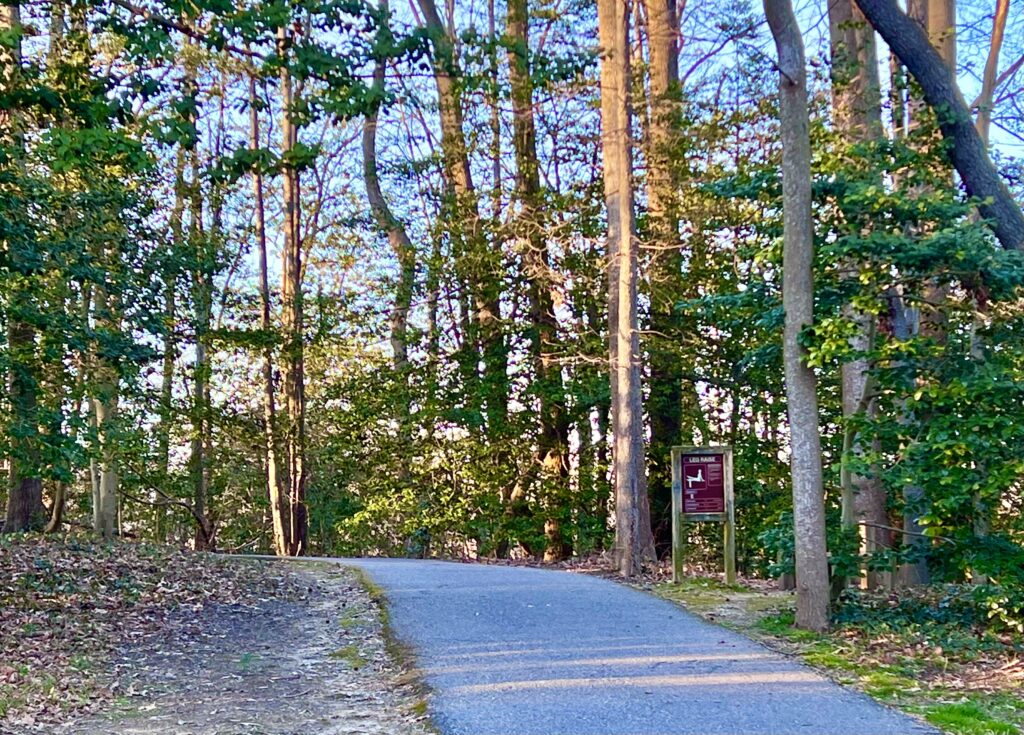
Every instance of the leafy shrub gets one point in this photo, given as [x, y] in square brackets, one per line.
[955, 616]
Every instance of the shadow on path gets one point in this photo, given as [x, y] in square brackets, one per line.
[521, 651]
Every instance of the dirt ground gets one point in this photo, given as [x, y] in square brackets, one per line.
[313, 666]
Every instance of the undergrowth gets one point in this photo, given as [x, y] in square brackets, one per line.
[935, 652]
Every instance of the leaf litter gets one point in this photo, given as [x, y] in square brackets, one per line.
[132, 638]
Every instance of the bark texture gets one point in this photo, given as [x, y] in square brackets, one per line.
[294, 323]
[857, 117]
[279, 507]
[665, 264]
[633, 540]
[812, 583]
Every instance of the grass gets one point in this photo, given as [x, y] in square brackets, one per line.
[968, 718]
[247, 660]
[349, 619]
[920, 669]
[351, 655]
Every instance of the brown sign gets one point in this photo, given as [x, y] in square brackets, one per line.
[703, 483]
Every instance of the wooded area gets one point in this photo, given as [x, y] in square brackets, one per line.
[343, 278]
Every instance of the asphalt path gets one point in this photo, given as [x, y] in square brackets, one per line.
[519, 651]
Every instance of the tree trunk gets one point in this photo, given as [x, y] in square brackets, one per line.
[25, 510]
[105, 403]
[857, 116]
[634, 542]
[170, 347]
[405, 254]
[292, 297]
[493, 99]
[967, 151]
[812, 607]
[278, 505]
[398, 238]
[938, 19]
[665, 269]
[552, 452]
[989, 78]
[478, 264]
[94, 471]
[201, 243]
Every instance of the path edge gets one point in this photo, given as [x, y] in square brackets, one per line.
[403, 654]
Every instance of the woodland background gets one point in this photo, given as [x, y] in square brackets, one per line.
[331, 277]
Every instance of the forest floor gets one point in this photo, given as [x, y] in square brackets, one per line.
[129, 638]
[956, 679]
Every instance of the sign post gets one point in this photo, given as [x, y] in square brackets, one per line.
[702, 491]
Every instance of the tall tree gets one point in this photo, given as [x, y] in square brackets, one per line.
[392, 227]
[665, 269]
[292, 298]
[857, 117]
[478, 263]
[403, 249]
[812, 584]
[552, 455]
[25, 509]
[177, 231]
[271, 446]
[938, 19]
[201, 244]
[634, 542]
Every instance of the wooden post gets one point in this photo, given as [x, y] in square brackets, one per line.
[677, 517]
[730, 520]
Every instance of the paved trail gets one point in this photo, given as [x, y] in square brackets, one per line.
[514, 651]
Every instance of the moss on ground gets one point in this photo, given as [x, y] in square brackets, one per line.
[351, 655]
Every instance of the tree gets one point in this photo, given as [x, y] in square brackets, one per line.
[271, 446]
[167, 418]
[990, 77]
[857, 117]
[551, 459]
[665, 268]
[967, 151]
[293, 299]
[477, 263]
[24, 500]
[202, 242]
[105, 384]
[634, 543]
[391, 226]
[812, 607]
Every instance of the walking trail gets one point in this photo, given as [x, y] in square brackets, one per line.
[520, 651]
